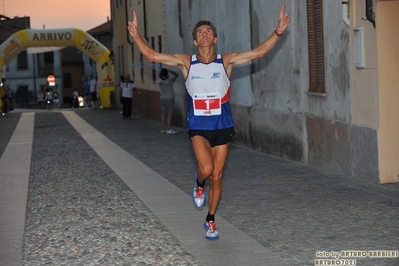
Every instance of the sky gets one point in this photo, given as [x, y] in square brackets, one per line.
[81, 14]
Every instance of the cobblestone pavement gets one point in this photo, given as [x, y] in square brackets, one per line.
[290, 208]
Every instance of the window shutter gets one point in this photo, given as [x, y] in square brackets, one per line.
[316, 46]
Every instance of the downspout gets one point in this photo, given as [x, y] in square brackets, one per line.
[127, 21]
[145, 20]
[345, 12]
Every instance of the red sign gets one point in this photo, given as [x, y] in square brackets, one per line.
[51, 80]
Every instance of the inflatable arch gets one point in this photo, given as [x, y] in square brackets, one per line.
[23, 39]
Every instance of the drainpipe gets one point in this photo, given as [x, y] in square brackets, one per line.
[345, 12]
[127, 20]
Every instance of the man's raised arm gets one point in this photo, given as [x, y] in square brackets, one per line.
[151, 54]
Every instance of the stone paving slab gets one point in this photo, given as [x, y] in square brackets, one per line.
[14, 169]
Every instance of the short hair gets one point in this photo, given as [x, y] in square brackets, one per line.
[164, 72]
[201, 23]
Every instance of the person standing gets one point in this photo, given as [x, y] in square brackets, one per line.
[75, 96]
[167, 99]
[5, 101]
[56, 98]
[93, 91]
[48, 96]
[127, 87]
[9, 94]
[98, 95]
[40, 97]
[209, 120]
[86, 91]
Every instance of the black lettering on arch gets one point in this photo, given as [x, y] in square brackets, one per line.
[68, 36]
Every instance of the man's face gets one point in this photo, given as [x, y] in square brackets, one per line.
[205, 36]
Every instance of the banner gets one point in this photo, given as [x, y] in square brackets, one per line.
[39, 41]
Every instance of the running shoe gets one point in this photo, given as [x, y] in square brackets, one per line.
[210, 228]
[170, 132]
[198, 194]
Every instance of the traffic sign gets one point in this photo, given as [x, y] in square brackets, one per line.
[51, 80]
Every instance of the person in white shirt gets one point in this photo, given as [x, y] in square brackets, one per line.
[75, 95]
[127, 87]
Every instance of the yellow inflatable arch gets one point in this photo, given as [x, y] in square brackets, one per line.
[23, 39]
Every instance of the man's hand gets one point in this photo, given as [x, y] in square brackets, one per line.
[283, 21]
[132, 26]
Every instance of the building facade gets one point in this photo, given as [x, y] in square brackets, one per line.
[325, 95]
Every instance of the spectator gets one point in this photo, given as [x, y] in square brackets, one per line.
[167, 99]
[75, 96]
[40, 97]
[93, 91]
[127, 87]
[56, 98]
[98, 98]
[9, 94]
[5, 101]
[86, 91]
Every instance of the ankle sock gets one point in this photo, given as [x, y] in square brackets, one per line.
[210, 217]
[200, 184]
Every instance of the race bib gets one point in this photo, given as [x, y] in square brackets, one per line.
[207, 104]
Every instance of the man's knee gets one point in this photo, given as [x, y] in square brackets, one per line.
[206, 171]
[216, 179]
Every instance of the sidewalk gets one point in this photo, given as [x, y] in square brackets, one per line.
[273, 211]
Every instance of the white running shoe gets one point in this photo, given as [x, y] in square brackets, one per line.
[211, 232]
[170, 131]
[198, 194]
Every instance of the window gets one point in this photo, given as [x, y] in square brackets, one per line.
[49, 58]
[22, 60]
[45, 63]
[316, 46]
[67, 79]
[22, 95]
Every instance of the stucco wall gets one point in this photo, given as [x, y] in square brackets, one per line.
[388, 83]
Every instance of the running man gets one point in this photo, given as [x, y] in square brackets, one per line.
[209, 120]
